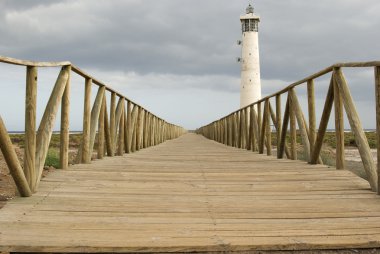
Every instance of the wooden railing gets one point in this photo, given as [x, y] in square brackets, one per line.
[129, 127]
[249, 127]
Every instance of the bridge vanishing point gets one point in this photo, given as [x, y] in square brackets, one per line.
[209, 191]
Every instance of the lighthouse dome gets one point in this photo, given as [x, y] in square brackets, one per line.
[249, 9]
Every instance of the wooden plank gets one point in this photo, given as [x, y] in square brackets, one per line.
[356, 127]
[30, 127]
[159, 200]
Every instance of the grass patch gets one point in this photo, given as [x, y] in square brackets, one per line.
[52, 158]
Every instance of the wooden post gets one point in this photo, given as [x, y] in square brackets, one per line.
[95, 112]
[113, 122]
[30, 127]
[138, 129]
[323, 124]
[377, 90]
[251, 141]
[129, 127]
[339, 128]
[268, 131]
[13, 163]
[242, 129]
[263, 131]
[120, 148]
[125, 129]
[284, 130]
[107, 131]
[274, 119]
[101, 130]
[86, 122]
[278, 122]
[45, 129]
[301, 123]
[311, 110]
[293, 129]
[65, 126]
[259, 121]
[356, 127]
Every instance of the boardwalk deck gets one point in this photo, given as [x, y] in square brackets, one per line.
[192, 194]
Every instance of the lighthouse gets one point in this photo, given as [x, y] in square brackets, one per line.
[250, 87]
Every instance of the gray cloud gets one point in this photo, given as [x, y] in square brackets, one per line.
[141, 46]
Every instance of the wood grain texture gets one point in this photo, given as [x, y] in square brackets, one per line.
[311, 113]
[193, 195]
[356, 127]
[65, 125]
[339, 128]
[85, 148]
[377, 94]
[12, 161]
[45, 129]
[30, 127]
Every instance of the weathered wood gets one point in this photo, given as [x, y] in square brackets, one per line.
[65, 125]
[274, 120]
[356, 127]
[15, 61]
[101, 135]
[120, 147]
[323, 123]
[107, 131]
[259, 120]
[134, 128]
[85, 151]
[45, 129]
[263, 130]
[129, 127]
[125, 129]
[118, 114]
[268, 130]
[377, 101]
[339, 128]
[301, 123]
[242, 129]
[284, 130]
[113, 122]
[30, 127]
[13, 163]
[278, 122]
[293, 130]
[95, 112]
[311, 111]
[139, 129]
[145, 202]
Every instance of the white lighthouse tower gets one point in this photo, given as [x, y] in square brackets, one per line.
[250, 87]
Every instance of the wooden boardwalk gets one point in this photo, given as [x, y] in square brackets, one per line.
[193, 194]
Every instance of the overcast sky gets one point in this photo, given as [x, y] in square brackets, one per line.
[177, 58]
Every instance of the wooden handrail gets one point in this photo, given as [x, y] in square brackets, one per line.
[338, 95]
[125, 131]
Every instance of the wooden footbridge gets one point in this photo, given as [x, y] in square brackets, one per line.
[209, 191]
